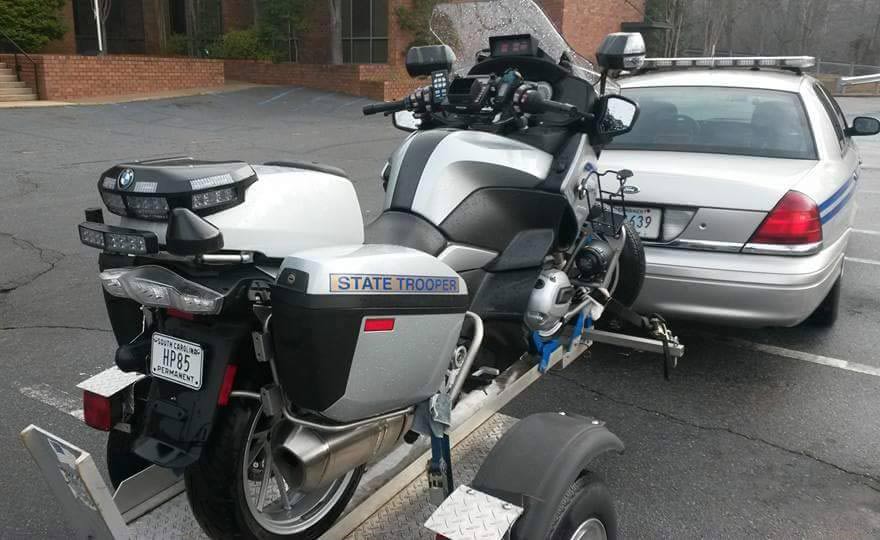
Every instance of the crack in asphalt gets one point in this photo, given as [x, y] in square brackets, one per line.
[50, 257]
[874, 480]
[54, 327]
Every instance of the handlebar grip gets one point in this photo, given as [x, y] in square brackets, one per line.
[558, 106]
[388, 106]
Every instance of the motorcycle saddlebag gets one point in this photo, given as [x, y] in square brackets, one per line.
[365, 329]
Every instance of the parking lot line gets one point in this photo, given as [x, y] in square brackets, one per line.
[863, 261]
[866, 231]
[806, 357]
[53, 397]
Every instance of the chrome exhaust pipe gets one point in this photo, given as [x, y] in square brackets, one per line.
[309, 458]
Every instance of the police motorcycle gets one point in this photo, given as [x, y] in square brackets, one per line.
[276, 346]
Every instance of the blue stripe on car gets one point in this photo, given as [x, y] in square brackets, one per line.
[827, 217]
[830, 200]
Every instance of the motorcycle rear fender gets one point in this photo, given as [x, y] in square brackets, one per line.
[177, 421]
[536, 461]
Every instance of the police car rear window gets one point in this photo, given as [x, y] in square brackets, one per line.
[742, 121]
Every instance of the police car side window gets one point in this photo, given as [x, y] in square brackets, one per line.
[832, 114]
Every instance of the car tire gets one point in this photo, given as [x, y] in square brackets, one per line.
[826, 314]
[631, 268]
[586, 511]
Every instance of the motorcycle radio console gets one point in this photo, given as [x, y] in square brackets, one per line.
[468, 94]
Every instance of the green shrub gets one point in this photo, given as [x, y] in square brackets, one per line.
[244, 44]
[32, 23]
[176, 45]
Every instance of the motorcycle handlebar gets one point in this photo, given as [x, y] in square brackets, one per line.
[389, 106]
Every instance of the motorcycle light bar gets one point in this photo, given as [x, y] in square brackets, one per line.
[118, 239]
[791, 62]
[155, 286]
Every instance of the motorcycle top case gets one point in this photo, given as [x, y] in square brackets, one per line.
[361, 330]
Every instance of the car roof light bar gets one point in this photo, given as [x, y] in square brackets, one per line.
[784, 62]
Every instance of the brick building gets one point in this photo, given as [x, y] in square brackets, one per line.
[369, 30]
[373, 45]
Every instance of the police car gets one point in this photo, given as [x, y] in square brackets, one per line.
[745, 170]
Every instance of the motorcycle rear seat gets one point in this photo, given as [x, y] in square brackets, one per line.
[309, 166]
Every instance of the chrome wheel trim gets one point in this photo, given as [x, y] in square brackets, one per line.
[275, 507]
[591, 529]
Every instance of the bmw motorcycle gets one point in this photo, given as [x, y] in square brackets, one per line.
[276, 345]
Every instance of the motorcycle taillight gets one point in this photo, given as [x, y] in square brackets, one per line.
[98, 411]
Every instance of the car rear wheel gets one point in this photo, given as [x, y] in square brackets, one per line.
[826, 314]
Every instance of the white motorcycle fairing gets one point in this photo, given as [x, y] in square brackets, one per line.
[284, 211]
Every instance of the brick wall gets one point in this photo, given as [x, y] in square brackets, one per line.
[586, 22]
[67, 43]
[355, 79]
[63, 77]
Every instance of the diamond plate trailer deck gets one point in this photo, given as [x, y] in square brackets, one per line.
[391, 502]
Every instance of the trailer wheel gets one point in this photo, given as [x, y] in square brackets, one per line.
[228, 494]
[122, 463]
[586, 513]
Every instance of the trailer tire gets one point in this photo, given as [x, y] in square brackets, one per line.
[122, 463]
[215, 485]
[586, 511]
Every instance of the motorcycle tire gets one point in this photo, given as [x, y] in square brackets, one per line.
[122, 463]
[215, 485]
[587, 511]
[630, 268]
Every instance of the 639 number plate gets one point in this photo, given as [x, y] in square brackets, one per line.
[646, 221]
[177, 360]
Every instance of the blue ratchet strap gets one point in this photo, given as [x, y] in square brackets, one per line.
[441, 460]
[545, 349]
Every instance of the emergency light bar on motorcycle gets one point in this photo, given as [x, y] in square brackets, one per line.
[782, 62]
[155, 286]
[145, 190]
[118, 239]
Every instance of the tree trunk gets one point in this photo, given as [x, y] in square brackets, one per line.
[335, 31]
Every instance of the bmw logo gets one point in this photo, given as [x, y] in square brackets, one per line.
[125, 179]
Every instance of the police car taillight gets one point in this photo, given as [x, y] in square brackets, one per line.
[794, 220]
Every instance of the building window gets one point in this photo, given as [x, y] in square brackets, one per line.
[364, 31]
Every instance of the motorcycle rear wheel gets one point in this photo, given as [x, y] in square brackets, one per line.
[235, 492]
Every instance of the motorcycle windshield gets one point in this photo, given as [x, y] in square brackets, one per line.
[467, 26]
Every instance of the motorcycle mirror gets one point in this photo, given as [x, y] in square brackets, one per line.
[421, 61]
[617, 115]
[621, 50]
[405, 121]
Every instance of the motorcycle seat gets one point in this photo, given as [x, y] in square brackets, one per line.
[309, 166]
[405, 229]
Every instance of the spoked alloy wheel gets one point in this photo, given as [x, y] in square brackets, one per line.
[235, 490]
[272, 504]
[591, 529]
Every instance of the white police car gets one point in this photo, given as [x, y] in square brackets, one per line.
[745, 170]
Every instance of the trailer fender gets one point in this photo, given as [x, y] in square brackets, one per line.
[536, 461]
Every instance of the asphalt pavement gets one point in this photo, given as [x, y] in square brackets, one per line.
[760, 433]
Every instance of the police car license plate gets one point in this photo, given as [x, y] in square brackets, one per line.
[646, 221]
[177, 360]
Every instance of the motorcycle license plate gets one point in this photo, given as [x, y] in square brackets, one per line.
[177, 360]
[646, 221]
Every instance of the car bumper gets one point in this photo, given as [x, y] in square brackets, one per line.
[738, 289]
